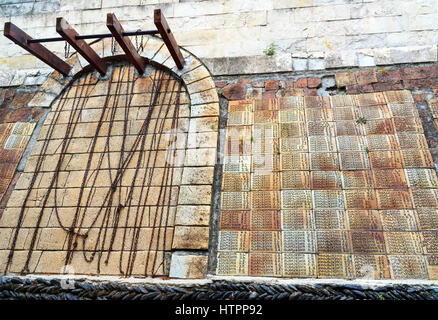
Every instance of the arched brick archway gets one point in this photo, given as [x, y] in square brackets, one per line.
[86, 150]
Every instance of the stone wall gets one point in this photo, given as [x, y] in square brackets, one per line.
[231, 36]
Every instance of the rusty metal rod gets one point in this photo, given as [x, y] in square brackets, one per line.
[95, 36]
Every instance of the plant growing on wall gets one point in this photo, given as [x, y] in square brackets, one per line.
[270, 51]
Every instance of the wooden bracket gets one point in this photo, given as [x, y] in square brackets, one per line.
[125, 43]
[21, 38]
[69, 34]
[167, 36]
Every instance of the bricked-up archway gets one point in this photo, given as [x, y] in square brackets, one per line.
[120, 177]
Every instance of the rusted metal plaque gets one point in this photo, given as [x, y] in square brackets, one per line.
[364, 220]
[296, 265]
[240, 118]
[319, 114]
[232, 263]
[240, 105]
[345, 113]
[347, 128]
[295, 180]
[385, 160]
[413, 158]
[297, 220]
[328, 199]
[294, 161]
[296, 199]
[350, 143]
[265, 199]
[235, 201]
[324, 161]
[374, 112]
[265, 220]
[292, 130]
[381, 142]
[265, 241]
[407, 124]
[235, 181]
[265, 180]
[238, 220]
[317, 102]
[268, 116]
[335, 266]
[266, 104]
[401, 96]
[299, 241]
[357, 179]
[290, 115]
[430, 241]
[234, 240]
[354, 160]
[290, 145]
[264, 131]
[370, 99]
[427, 218]
[265, 264]
[367, 242]
[333, 241]
[370, 267]
[407, 267]
[382, 126]
[421, 178]
[325, 180]
[329, 219]
[320, 128]
[360, 199]
[403, 243]
[403, 110]
[393, 199]
[322, 144]
[237, 163]
[398, 220]
[411, 140]
[389, 178]
[424, 198]
[291, 102]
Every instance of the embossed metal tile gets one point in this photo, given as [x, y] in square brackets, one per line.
[297, 265]
[297, 220]
[335, 266]
[364, 220]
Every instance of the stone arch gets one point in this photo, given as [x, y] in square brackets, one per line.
[193, 207]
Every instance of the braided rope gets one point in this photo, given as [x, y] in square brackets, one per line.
[14, 288]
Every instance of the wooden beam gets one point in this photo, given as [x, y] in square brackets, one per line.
[125, 43]
[69, 34]
[167, 36]
[21, 38]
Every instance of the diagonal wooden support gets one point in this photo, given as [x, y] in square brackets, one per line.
[69, 34]
[167, 36]
[19, 37]
[125, 43]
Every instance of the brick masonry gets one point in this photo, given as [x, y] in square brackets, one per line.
[231, 36]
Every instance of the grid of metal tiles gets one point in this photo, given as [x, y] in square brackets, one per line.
[14, 137]
[328, 187]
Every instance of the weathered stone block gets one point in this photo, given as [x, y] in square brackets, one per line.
[194, 194]
[198, 175]
[193, 215]
[190, 238]
[188, 266]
